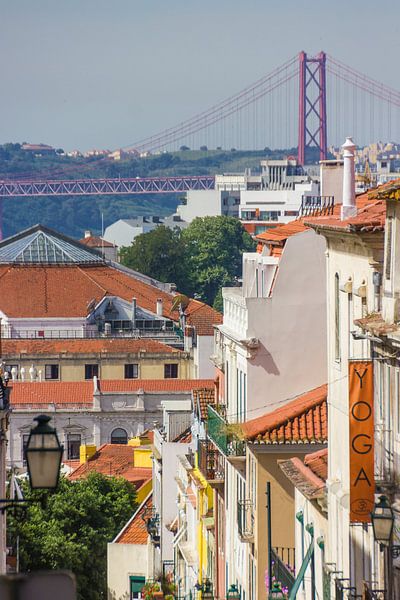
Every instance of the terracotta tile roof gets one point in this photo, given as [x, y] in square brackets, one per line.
[280, 233]
[201, 398]
[47, 346]
[66, 291]
[135, 531]
[376, 325]
[185, 437]
[80, 393]
[303, 420]
[318, 463]
[115, 460]
[94, 241]
[310, 476]
[371, 214]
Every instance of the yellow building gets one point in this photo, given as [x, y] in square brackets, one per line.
[80, 359]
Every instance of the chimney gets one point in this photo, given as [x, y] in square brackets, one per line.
[88, 233]
[133, 318]
[349, 190]
[159, 307]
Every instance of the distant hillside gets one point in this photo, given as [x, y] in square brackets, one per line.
[72, 215]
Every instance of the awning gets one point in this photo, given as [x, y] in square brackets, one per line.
[302, 571]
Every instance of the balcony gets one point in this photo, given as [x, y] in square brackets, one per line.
[283, 566]
[211, 463]
[245, 520]
[218, 430]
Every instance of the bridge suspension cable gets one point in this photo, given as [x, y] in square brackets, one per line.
[222, 110]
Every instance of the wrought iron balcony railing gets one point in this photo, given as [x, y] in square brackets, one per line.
[283, 572]
[211, 462]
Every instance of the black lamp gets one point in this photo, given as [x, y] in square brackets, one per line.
[382, 519]
[43, 455]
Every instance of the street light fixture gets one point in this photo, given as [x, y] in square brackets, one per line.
[43, 455]
[382, 519]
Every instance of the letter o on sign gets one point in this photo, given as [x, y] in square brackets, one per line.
[361, 411]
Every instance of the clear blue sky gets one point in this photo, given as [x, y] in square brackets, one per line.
[96, 73]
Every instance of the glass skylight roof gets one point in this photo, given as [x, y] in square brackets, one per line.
[42, 247]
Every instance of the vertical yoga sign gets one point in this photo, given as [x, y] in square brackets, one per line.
[361, 420]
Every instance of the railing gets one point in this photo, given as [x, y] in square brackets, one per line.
[287, 556]
[312, 206]
[284, 573]
[344, 591]
[218, 432]
[175, 336]
[211, 461]
[245, 520]
[370, 593]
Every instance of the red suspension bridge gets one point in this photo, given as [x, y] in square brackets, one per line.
[303, 103]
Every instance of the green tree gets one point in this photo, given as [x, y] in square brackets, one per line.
[159, 254]
[213, 255]
[70, 529]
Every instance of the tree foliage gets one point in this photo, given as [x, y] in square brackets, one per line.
[70, 528]
[159, 254]
[200, 259]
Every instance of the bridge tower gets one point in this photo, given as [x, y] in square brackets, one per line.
[312, 105]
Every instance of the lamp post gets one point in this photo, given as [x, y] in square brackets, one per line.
[43, 456]
[382, 519]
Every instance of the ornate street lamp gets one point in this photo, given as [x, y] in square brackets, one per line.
[233, 593]
[43, 455]
[382, 519]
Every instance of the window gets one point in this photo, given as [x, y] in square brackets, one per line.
[136, 583]
[25, 437]
[119, 436]
[171, 371]
[337, 318]
[291, 213]
[132, 371]
[73, 445]
[51, 371]
[91, 371]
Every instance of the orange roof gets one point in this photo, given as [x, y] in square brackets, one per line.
[282, 232]
[371, 214]
[66, 291]
[310, 476]
[93, 241]
[80, 393]
[115, 460]
[303, 420]
[84, 346]
[135, 531]
[201, 398]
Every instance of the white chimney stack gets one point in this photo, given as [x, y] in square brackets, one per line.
[349, 188]
[88, 233]
[159, 307]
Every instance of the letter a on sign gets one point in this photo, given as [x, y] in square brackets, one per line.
[361, 419]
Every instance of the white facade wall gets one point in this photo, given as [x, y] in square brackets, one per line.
[209, 203]
[121, 233]
[352, 260]
[290, 326]
[124, 560]
[204, 368]
[269, 201]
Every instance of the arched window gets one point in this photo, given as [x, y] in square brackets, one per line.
[119, 436]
